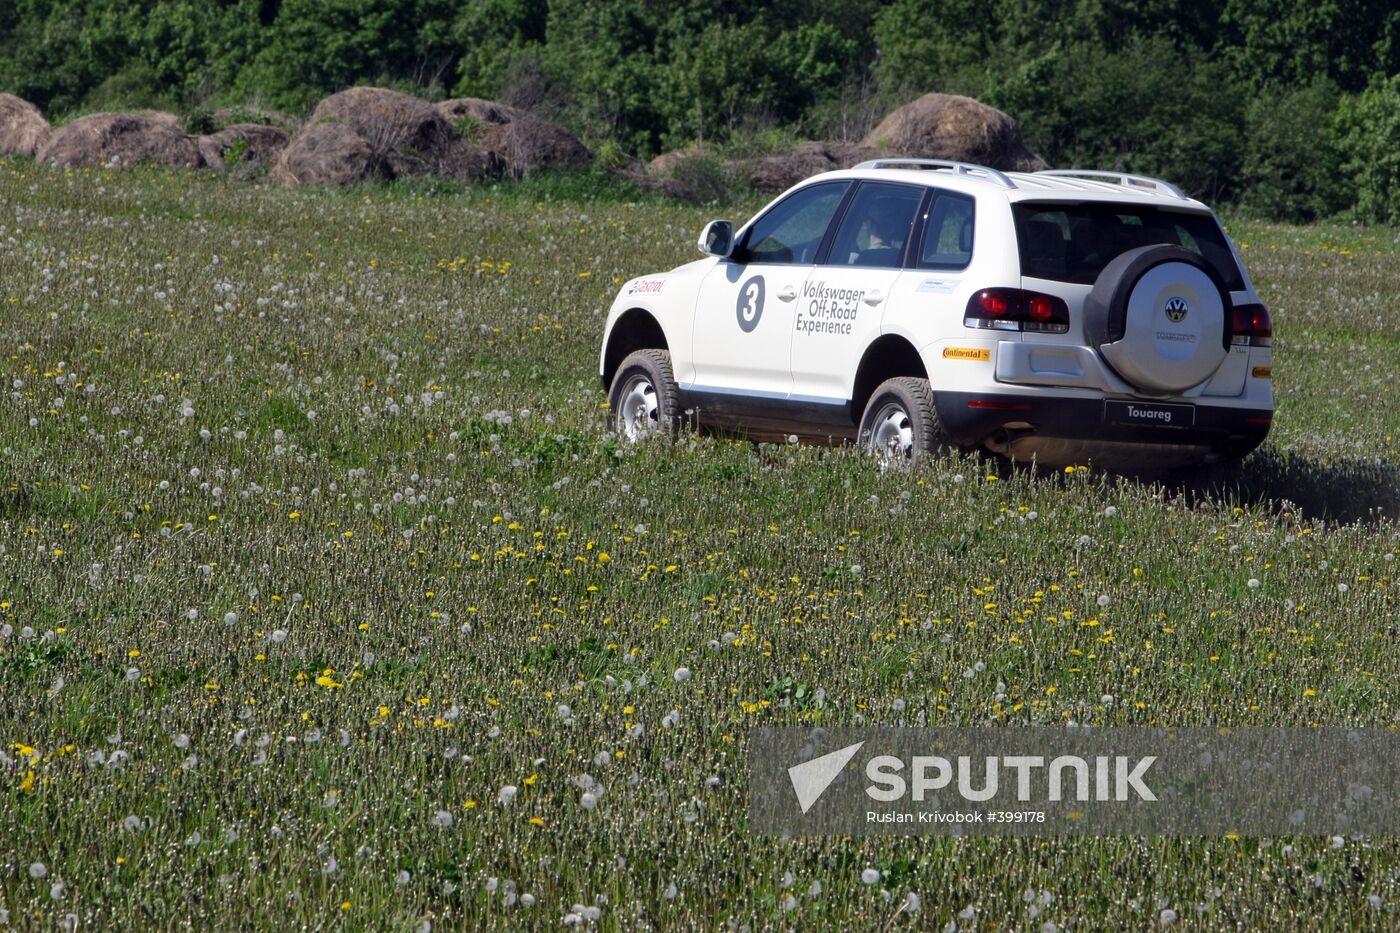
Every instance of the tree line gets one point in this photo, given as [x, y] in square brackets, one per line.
[1292, 110]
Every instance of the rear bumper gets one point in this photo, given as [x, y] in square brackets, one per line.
[972, 418]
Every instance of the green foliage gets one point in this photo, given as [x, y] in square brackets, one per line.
[1197, 92]
[1368, 129]
[1291, 160]
[1151, 107]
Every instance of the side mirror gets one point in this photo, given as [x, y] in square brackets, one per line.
[717, 239]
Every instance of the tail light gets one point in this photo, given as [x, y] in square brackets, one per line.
[1251, 326]
[1017, 309]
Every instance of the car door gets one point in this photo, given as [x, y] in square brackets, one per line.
[747, 303]
[839, 311]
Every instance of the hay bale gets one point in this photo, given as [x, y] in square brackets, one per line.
[486, 112]
[121, 139]
[259, 144]
[947, 126]
[665, 165]
[775, 173]
[393, 124]
[468, 162]
[525, 142]
[328, 154]
[23, 129]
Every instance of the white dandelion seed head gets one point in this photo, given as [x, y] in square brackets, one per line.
[38, 870]
[869, 876]
[1253, 583]
[1167, 917]
[1104, 600]
[912, 903]
[230, 618]
[507, 794]
[402, 878]
[588, 800]
[681, 675]
[442, 818]
[1110, 511]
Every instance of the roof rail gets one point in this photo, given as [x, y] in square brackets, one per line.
[1123, 178]
[958, 168]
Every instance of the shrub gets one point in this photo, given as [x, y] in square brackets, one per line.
[1291, 160]
[1368, 134]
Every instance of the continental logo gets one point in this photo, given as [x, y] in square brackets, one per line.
[977, 354]
[1262, 372]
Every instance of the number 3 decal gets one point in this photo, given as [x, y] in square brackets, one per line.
[749, 307]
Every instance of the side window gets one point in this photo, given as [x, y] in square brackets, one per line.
[948, 235]
[876, 226]
[793, 229]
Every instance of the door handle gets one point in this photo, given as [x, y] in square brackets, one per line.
[787, 294]
[873, 297]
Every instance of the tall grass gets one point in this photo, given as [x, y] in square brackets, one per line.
[325, 600]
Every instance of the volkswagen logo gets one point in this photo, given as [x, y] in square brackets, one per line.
[1176, 310]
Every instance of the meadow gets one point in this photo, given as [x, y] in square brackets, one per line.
[327, 602]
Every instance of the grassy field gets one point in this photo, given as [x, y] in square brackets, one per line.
[325, 600]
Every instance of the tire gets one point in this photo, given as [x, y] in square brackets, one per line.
[1160, 316]
[900, 422]
[643, 400]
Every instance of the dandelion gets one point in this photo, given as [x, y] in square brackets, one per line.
[402, 878]
[507, 794]
[912, 903]
[681, 675]
[230, 618]
[1167, 917]
[1253, 583]
[38, 870]
[589, 800]
[1104, 601]
[442, 819]
[869, 876]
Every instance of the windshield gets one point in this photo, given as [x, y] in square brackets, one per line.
[1073, 242]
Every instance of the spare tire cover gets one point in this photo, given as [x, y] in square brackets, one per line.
[1159, 315]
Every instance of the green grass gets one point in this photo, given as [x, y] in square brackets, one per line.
[377, 614]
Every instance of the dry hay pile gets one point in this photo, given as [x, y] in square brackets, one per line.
[23, 129]
[369, 132]
[121, 139]
[946, 126]
[255, 143]
[523, 141]
[775, 173]
[327, 154]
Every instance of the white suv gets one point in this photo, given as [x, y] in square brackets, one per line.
[921, 305]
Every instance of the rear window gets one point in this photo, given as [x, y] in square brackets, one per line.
[1073, 242]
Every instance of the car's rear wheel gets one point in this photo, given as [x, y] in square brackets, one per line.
[643, 399]
[900, 422]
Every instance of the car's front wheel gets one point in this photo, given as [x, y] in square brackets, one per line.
[643, 399]
[900, 422]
